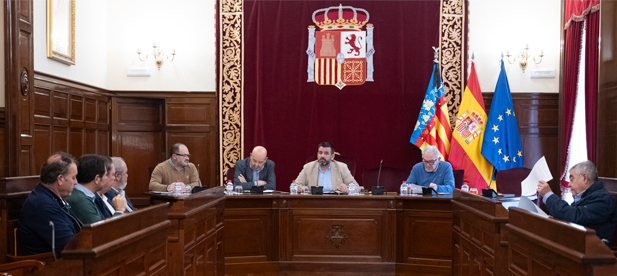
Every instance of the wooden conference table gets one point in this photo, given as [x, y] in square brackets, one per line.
[283, 234]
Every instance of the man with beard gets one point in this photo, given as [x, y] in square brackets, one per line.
[119, 184]
[432, 172]
[331, 175]
[255, 170]
[177, 170]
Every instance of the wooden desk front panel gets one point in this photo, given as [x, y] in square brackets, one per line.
[285, 234]
[477, 238]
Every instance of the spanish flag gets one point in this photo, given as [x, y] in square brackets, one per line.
[467, 136]
[433, 125]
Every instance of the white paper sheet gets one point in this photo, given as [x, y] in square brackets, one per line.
[525, 203]
[539, 172]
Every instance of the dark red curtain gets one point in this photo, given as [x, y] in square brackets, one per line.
[575, 12]
[570, 78]
[370, 122]
[592, 36]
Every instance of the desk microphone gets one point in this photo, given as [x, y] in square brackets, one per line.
[53, 239]
[378, 190]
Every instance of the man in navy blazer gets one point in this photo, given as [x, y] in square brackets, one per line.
[119, 183]
[256, 170]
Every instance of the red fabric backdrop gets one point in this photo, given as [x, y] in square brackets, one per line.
[575, 12]
[374, 121]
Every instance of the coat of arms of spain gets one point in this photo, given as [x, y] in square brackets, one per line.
[341, 52]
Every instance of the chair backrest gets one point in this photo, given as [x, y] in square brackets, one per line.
[349, 161]
[230, 174]
[390, 178]
[509, 181]
[610, 184]
[459, 178]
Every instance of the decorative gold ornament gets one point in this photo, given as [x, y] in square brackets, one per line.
[231, 116]
[452, 47]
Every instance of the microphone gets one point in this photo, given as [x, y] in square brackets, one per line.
[379, 174]
[53, 239]
[198, 176]
[378, 190]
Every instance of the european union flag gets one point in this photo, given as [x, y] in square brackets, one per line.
[502, 144]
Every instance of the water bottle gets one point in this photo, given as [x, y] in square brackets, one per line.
[293, 188]
[353, 188]
[177, 187]
[230, 187]
[465, 187]
[404, 191]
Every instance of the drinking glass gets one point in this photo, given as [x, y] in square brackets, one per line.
[361, 190]
[305, 190]
[473, 191]
[239, 189]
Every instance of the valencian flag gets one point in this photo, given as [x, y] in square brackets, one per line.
[433, 125]
[467, 136]
[502, 144]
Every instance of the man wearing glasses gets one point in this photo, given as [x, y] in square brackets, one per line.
[175, 171]
[432, 172]
[256, 170]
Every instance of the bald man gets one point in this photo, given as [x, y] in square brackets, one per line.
[256, 170]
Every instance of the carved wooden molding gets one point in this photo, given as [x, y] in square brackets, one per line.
[231, 88]
[452, 47]
[337, 235]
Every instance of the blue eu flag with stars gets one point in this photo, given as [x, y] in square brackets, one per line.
[502, 144]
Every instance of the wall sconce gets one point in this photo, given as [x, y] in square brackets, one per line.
[158, 54]
[522, 56]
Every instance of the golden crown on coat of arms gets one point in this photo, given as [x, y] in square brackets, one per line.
[348, 18]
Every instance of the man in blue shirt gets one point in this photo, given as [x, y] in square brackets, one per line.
[432, 172]
[256, 170]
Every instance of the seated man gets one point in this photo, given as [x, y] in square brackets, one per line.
[90, 180]
[593, 206]
[46, 204]
[115, 206]
[256, 170]
[332, 175]
[177, 170]
[432, 172]
[119, 184]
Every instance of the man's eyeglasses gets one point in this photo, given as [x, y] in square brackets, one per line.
[430, 162]
[183, 155]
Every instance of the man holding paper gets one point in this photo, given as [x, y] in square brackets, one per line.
[593, 206]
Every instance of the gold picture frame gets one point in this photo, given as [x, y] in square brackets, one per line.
[61, 31]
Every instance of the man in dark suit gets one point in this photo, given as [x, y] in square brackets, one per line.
[593, 205]
[119, 183]
[255, 170]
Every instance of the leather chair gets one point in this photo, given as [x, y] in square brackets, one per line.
[390, 178]
[509, 181]
[349, 161]
[459, 178]
[230, 174]
[610, 184]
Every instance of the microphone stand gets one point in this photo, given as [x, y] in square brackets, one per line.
[378, 190]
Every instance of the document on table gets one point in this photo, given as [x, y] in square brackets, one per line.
[525, 203]
[539, 172]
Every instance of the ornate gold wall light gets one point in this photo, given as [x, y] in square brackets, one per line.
[522, 56]
[159, 55]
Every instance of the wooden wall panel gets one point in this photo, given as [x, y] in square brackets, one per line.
[606, 147]
[537, 115]
[66, 119]
[18, 148]
[192, 121]
[3, 143]
[137, 134]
